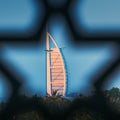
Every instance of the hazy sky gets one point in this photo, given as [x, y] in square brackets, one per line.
[83, 62]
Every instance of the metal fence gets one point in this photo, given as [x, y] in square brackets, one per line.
[97, 101]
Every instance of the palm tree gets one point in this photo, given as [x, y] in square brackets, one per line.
[114, 95]
[55, 93]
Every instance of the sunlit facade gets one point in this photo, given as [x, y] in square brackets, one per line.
[56, 72]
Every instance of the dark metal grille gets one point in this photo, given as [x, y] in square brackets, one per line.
[97, 101]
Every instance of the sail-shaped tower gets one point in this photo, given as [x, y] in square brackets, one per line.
[56, 71]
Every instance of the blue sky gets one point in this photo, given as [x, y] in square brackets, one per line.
[98, 14]
[83, 61]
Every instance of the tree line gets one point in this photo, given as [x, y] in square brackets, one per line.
[58, 104]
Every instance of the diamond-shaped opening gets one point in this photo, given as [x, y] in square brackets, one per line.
[20, 17]
[93, 17]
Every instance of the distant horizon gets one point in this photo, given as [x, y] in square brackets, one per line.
[5, 99]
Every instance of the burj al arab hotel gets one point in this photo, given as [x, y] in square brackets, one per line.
[56, 71]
